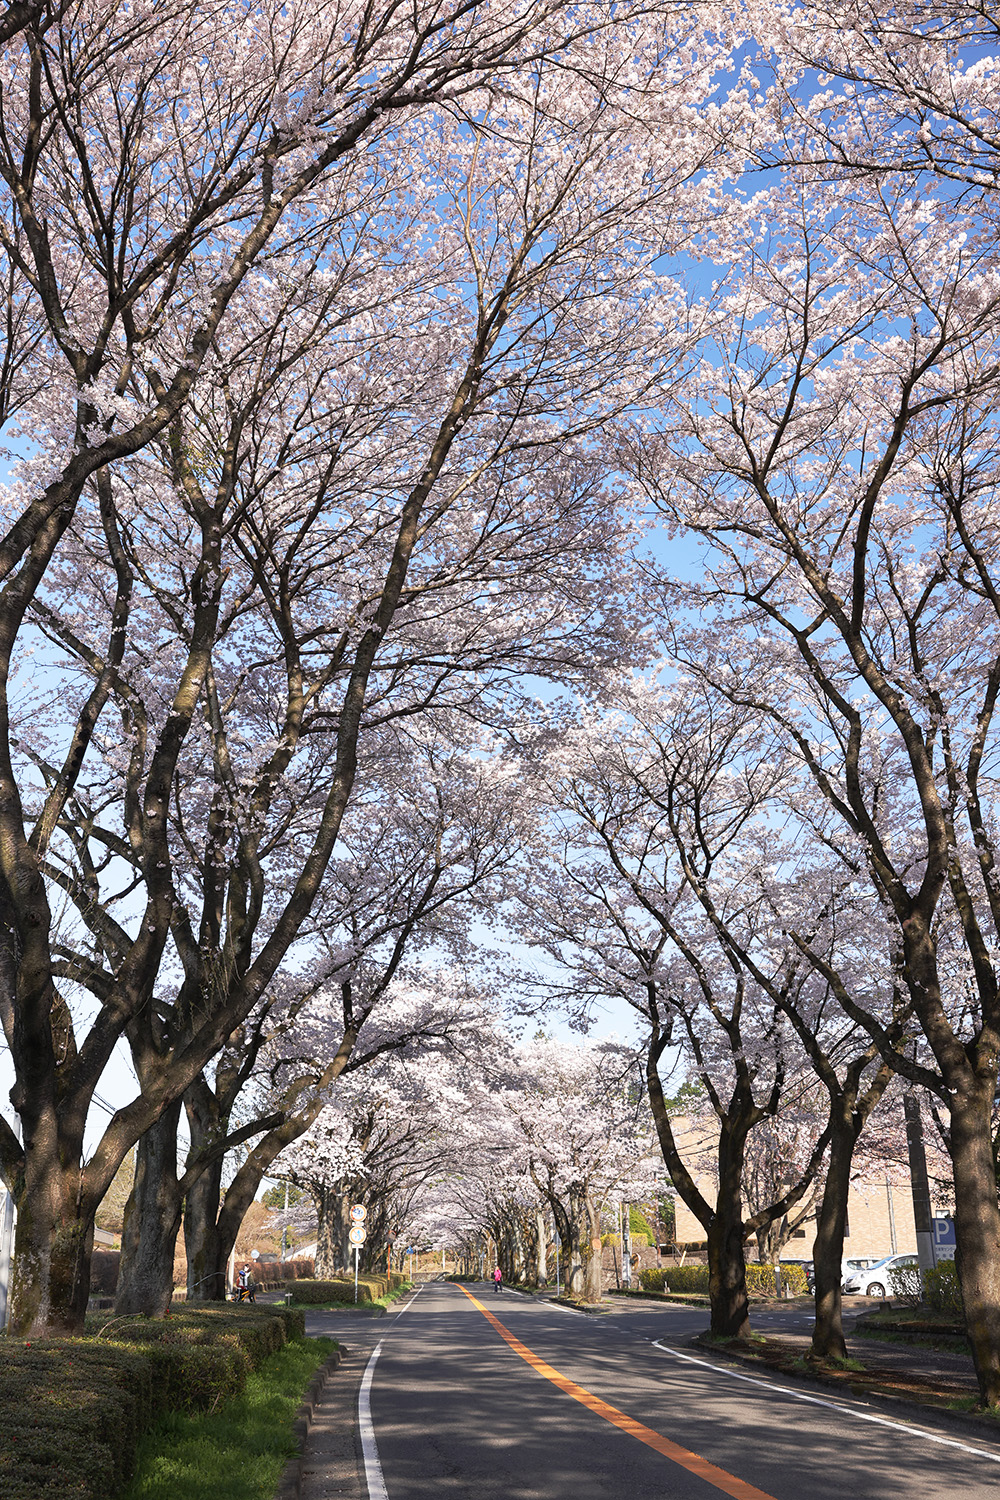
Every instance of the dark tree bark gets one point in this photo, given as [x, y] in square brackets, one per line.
[152, 1220]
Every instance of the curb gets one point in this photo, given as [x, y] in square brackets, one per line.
[590, 1308]
[290, 1483]
[897, 1406]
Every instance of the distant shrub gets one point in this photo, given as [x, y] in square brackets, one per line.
[675, 1279]
[295, 1270]
[104, 1272]
[761, 1283]
[694, 1279]
[941, 1290]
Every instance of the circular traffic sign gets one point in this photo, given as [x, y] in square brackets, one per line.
[358, 1235]
[358, 1213]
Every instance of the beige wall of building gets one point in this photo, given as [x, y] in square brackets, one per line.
[879, 1213]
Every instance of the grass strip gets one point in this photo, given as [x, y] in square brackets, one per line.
[237, 1451]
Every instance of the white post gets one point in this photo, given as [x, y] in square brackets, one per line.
[231, 1270]
[6, 1255]
[626, 1246]
[356, 1250]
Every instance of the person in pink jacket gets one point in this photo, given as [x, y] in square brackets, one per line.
[497, 1280]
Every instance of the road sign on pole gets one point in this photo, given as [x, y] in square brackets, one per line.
[358, 1213]
[357, 1234]
[944, 1239]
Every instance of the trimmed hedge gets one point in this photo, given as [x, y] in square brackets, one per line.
[340, 1289]
[104, 1272]
[694, 1279]
[296, 1270]
[941, 1290]
[675, 1279]
[74, 1409]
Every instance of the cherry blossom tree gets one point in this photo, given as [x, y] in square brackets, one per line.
[402, 504]
[417, 863]
[833, 449]
[653, 895]
[388, 1136]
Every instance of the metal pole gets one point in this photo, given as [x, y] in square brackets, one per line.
[892, 1215]
[356, 1248]
[284, 1227]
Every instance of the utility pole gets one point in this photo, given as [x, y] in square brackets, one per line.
[919, 1184]
[284, 1227]
[626, 1247]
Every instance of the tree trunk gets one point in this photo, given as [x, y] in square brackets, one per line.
[206, 1274]
[593, 1279]
[727, 1271]
[152, 1219]
[977, 1233]
[53, 1244]
[332, 1220]
[575, 1268]
[828, 1248]
[541, 1244]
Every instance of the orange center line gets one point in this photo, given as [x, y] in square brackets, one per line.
[693, 1462]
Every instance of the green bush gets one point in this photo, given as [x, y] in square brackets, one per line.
[341, 1289]
[73, 1414]
[75, 1409]
[675, 1279]
[760, 1280]
[941, 1290]
[694, 1279]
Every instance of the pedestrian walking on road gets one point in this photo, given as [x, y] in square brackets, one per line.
[497, 1280]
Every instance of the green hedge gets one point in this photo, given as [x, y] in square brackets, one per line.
[675, 1279]
[694, 1279]
[339, 1289]
[74, 1409]
[941, 1290]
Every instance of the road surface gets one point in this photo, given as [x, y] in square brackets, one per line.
[507, 1398]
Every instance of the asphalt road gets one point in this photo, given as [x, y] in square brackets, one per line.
[558, 1405]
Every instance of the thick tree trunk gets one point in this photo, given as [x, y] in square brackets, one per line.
[828, 1248]
[977, 1234]
[332, 1229]
[206, 1275]
[576, 1275]
[727, 1271]
[53, 1244]
[152, 1219]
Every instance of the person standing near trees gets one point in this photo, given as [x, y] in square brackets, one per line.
[497, 1280]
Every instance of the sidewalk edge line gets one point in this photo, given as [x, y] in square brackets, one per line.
[843, 1408]
[366, 1431]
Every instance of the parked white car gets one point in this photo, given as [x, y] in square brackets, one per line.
[876, 1281]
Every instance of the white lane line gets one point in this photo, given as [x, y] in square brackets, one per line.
[844, 1411]
[407, 1305]
[574, 1312]
[369, 1447]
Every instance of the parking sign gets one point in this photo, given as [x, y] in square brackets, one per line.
[944, 1238]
